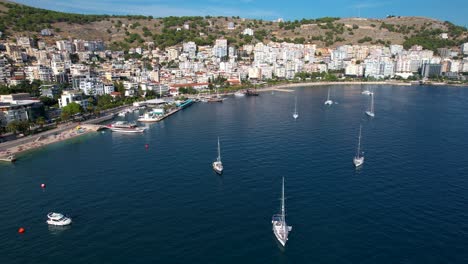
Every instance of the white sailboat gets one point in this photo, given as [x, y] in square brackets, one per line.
[295, 114]
[218, 165]
[367, 91]
[328, 101]
[280, 227]
[370, 112]
[358, 159]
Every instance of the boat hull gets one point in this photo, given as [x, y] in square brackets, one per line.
[128, 131]
[148, 120]
[328, 102]
[278, 231]
[358, 161]
[218, 168]
[65, 222]
[369, 113]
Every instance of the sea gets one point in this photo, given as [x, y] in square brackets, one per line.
[407, 204]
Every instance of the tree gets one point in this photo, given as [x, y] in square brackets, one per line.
[47, 101]
[18, 126]
[71, 109]
[40, 121]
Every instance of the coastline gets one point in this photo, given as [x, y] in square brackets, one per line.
[285, 86]
[73, 130]
[47, 140]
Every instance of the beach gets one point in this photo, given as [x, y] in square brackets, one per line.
[44, 140]
[61, 133]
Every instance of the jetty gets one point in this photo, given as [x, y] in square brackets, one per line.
[181, 106]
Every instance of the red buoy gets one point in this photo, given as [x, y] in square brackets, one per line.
[43, 185]
[21, 230]
[146, 146]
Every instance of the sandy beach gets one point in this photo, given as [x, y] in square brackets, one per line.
[42, 141]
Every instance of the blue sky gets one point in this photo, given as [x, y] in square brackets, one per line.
[455, 11]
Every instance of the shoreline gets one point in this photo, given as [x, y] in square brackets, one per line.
[48, 140]
[70, 131]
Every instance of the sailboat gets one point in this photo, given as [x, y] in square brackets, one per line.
[295, 115]
[280, 228]
[218, 165]
[370, 112]
[358, 159]
[328, 101]
[367, 92]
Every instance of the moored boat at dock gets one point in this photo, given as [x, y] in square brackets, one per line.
[149, 117]
[251, 92]
[10, 158]
[239, 94]
[125, 127]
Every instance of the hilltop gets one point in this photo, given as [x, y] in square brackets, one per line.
[123, 32]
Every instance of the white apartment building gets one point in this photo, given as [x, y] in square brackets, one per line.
[72, 96]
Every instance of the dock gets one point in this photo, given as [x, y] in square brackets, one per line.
[183, 105]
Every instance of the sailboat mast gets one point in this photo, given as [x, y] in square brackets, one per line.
[372, 103]
[282, 206]
[359, 142]
[295, 105]
[328, 98]
[219, 151]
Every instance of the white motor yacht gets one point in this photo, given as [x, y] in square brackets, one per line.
[149, 117]
[125, 127]
[58, 219]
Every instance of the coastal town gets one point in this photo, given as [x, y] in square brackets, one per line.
[44, 80]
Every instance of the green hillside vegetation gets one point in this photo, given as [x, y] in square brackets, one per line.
[125, 32]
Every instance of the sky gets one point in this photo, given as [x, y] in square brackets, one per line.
[455, 11]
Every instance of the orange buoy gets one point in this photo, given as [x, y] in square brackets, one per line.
[21, 230]
[43, 185]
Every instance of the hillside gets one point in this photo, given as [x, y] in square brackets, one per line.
[123, 32]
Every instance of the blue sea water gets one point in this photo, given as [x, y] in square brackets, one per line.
[407, 204]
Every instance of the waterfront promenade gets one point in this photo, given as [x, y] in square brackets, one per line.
[61, 133]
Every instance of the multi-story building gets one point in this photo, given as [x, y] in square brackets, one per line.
[430, 70]
[220, 49]
[72, 96]
[18, 107]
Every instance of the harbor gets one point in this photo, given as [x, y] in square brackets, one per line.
[11, 150]
[165, 178]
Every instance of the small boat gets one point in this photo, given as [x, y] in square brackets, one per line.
[58, 219]
[239, 94]
[295, 115]
[328, 101]
[149, 118]
[358, 159]
[125, 127]
[122, 114]
[218, 165]
[251, 92]
[367, 91]
[215, 100]
[10, 158]
[370, 112]
[280, 227]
